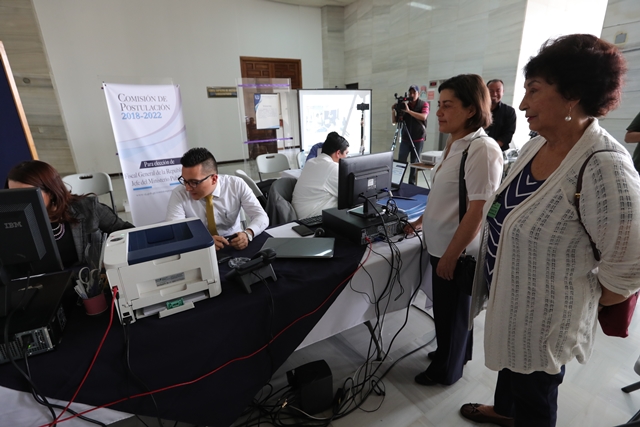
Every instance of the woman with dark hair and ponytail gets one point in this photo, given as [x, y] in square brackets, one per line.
[76, 220]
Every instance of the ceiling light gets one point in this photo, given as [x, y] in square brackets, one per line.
[420, 5]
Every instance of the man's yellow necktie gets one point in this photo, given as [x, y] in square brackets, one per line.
[211, 222]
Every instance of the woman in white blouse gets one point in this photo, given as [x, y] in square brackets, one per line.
[464, 109]
[540, 273]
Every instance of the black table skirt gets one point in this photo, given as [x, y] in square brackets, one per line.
[229, 333]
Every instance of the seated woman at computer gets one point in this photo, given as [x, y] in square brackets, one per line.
[317, 187]
[217, 200]
[78, 221]
[464, 109]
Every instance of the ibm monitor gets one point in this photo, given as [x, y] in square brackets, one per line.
[28, 247]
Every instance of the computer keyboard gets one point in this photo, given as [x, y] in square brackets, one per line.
[312, 221]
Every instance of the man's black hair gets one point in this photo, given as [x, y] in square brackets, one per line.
[333, 143]
[200, 156]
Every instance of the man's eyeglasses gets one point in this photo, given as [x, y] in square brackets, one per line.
[193, 183]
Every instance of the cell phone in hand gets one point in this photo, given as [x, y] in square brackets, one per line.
[302, 230]
[230, 238]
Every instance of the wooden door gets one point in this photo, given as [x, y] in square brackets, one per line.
[268, 68]
[273, 68]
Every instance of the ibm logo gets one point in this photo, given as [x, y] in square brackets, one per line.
[12, 225]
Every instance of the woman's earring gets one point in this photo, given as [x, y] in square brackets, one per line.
[568, 117]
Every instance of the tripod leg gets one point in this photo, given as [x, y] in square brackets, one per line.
[415, 158]
[397, 136]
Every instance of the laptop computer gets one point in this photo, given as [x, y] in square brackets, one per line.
[297, 247]
[397, 174]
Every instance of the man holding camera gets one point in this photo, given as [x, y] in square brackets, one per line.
[413, 112]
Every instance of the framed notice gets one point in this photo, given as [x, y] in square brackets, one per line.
[267, 107]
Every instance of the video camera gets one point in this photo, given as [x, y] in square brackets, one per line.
[400, 108]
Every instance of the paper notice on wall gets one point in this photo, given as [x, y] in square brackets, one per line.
[267, 107]
[151, 138]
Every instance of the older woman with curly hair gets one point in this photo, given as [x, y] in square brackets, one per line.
[537, 267]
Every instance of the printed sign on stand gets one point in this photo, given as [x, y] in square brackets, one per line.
[151, 138]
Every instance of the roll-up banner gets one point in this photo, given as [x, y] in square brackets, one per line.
[151, 138]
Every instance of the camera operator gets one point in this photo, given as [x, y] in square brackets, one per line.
[414, 114]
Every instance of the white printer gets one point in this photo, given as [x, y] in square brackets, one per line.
[430, 157]
[162, 268]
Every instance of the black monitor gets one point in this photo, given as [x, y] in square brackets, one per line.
[28, 247]
[362, 180]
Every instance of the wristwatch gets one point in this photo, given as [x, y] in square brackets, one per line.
[249, 235]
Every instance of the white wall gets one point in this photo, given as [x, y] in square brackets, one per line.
[550, 19]
[390, 45]
[193, 43]
[623, 16]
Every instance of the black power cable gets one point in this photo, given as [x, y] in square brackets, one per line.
[127, 343]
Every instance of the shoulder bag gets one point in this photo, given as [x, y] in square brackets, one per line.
[466, 266]
[614, 319]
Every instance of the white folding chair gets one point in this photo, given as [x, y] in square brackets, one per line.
[302, 158]
[97, 183]
[253, 186]
[272, 163]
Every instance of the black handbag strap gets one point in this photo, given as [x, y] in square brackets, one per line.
[576, 198]
[462, 186]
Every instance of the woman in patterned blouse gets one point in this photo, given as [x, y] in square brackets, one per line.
[537, 267]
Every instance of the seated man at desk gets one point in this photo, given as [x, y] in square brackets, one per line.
[317, 187]
[216, 200]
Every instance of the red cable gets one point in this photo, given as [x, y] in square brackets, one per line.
[104, 337]
[237, 359]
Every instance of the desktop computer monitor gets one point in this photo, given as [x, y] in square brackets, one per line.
[28, 247]
[362, 179]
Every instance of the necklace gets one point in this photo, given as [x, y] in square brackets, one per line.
[58, 231]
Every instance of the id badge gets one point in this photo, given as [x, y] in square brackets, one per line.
[494, 210]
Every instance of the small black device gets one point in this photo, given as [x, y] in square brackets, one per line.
[223, 259]
[230, 238]
[257, 269]
[359, 229]
[311, 221]
[313, 385]
[302, 230]
[363, 107]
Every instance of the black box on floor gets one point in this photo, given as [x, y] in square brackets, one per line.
[313, 385]
[358, 229]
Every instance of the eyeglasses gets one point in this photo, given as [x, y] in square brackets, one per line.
[193, 183]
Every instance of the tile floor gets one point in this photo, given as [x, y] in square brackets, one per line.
[589, 397]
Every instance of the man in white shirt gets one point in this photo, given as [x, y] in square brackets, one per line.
[227, 194]
[317, 187]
